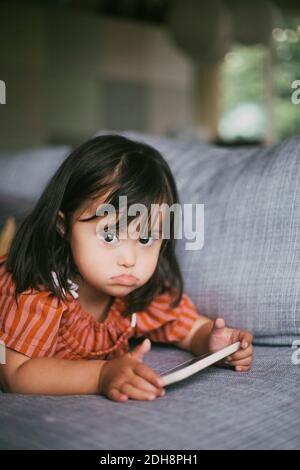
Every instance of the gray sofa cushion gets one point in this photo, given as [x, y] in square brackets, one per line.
[23, 177]
[248, 270]
[25, 173]
[14, 206]
[214, 409]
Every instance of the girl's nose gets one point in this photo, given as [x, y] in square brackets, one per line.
[127, 257]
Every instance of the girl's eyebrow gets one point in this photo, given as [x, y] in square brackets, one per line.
[95, 216]
[108, 226]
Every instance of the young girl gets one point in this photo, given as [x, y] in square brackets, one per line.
[73, 291]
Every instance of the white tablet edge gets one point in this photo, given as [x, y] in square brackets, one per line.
[199, 365]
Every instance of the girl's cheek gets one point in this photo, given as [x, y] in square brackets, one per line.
[150, 257]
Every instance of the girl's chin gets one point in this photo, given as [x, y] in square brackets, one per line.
[121, 289]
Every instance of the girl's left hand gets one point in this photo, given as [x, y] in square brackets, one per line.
[222, 336]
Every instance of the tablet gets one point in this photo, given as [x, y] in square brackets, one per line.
[190, 367]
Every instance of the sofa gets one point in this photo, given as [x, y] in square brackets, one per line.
[247, 271]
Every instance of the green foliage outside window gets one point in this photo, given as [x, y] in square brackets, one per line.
[257, 82]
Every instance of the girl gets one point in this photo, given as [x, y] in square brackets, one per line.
[73, 292]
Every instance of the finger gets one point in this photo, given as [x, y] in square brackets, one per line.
[143, 384]
[136, 393]
[242, 368]
[245, 337]
[148, 374]
[242, 362]
[115, 395]
[241, 354]
[219, 323]
[140, 350]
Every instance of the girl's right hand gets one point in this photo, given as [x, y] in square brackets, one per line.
[127, 377]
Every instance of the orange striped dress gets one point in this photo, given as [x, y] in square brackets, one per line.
[42, 325]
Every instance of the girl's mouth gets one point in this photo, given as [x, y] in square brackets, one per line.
[125, 279]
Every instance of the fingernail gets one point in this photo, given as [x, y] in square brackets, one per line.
[238, 368]
[151, 397]
[229, 358]
[162, 393]
[245, 345]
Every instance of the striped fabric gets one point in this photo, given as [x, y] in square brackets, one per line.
[43, 325]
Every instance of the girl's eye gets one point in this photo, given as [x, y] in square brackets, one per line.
[112, 239]
[146, 239]
[108, 237]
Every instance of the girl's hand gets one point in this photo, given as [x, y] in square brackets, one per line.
[222, 336]
[127, 377]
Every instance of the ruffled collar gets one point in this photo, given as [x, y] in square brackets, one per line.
[117, 305]
[73, 286]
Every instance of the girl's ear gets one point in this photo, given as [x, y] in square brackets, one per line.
[60, 225]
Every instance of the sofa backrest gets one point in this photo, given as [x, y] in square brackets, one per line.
[248, 271]
[23, 175]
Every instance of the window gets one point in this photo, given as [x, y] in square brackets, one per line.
[257, 89]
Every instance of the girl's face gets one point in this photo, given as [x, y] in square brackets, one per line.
[101, 256]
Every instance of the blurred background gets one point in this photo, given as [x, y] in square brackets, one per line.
[220, 71]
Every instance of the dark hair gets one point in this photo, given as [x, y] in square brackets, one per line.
[105, 163]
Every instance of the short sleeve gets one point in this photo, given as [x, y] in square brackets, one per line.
[162, 323]
[31, 326]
